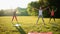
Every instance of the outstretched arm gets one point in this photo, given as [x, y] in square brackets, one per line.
[45, 8]
[55, 10]
[36, 8]
[49, 10]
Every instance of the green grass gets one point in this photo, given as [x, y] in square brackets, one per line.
[28, 24]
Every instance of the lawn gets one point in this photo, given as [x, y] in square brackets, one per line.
[28, 24]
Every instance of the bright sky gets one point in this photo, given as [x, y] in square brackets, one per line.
[8, 4]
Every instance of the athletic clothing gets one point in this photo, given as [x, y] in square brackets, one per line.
[40, 15]
[51, 18]
[14, 16]
[52, 13]
[40, 12]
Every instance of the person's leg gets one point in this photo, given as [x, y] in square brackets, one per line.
[54, 18]
[16, 18]
[38, 19]
[13, 18]
[43, 19]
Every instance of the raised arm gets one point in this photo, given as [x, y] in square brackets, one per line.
[55, 10]
[49, 10]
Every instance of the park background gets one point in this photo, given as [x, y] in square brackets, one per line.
[29, 11]
[27, 17]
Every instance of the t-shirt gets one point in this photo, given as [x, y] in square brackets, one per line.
[52, 13]
[40, 12]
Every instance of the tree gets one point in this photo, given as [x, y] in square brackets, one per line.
[31, 6]
[37, 4]
[1, 13]
[21, 11]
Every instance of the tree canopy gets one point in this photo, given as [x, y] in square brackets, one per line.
[44, 3]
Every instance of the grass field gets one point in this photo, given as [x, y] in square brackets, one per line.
[28, 24]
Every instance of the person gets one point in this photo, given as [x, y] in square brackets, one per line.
[40, 14]
[52, 14]
[14, 16]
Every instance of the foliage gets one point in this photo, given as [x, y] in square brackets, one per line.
[31, 7]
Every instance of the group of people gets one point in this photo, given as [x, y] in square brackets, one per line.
[52, 14]
[51, 11]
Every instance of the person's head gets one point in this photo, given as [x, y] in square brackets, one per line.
[40, 8]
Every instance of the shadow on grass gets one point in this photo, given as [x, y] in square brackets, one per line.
[20, 29]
